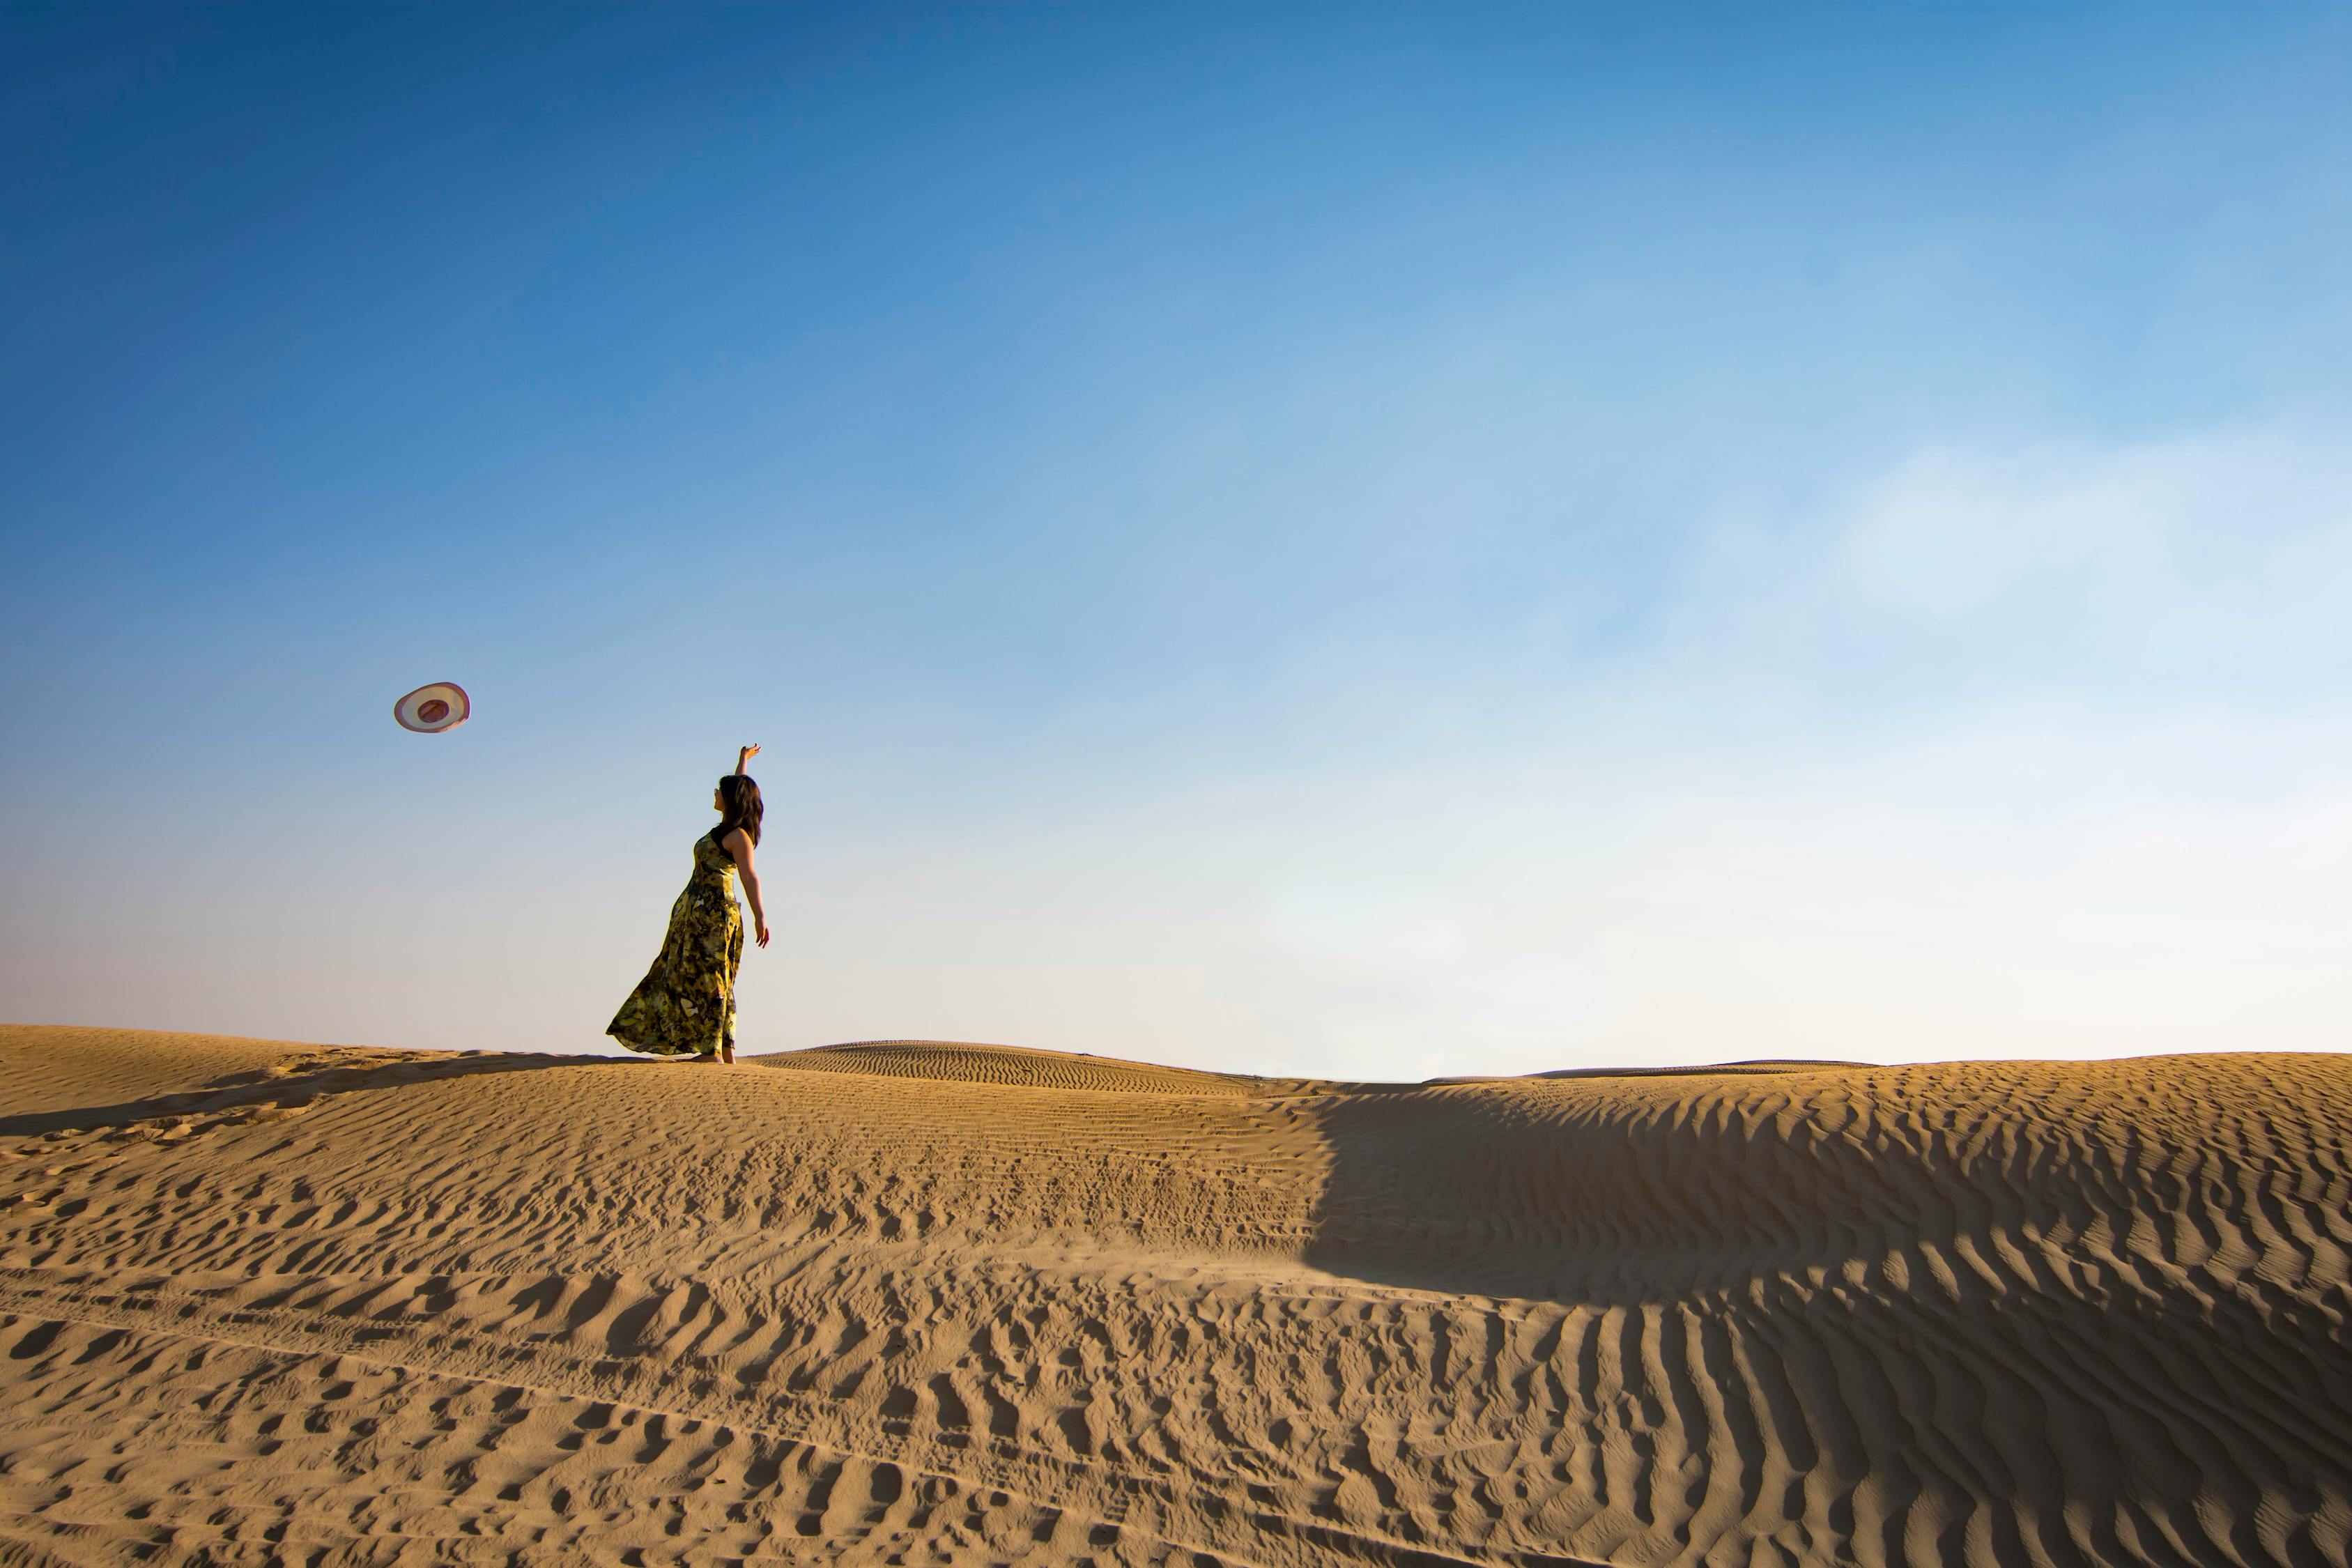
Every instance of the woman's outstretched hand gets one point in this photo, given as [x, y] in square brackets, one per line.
[743, 757]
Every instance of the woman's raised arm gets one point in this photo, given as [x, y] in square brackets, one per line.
[743, 757]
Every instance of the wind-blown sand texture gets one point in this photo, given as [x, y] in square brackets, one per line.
[926, 1304]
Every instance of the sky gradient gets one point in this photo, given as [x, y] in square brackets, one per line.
[1378, 542]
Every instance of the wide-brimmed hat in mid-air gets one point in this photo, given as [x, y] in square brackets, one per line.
[429, 709]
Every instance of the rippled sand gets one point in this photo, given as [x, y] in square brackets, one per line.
[922, 1302]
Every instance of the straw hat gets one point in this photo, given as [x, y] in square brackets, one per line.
[430, 710]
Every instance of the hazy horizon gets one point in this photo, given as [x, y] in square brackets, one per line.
[1370, 541]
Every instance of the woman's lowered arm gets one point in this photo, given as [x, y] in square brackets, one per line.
[739, 845]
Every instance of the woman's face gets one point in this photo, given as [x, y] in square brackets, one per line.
[717, 801]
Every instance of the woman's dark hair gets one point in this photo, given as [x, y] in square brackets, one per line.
[739, 793]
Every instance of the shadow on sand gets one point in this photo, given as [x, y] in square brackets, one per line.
[1896, 1285]
[1480, 1189]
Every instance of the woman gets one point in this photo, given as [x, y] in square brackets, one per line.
[685, 1003]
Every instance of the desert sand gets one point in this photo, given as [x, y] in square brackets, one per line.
[920, 1302]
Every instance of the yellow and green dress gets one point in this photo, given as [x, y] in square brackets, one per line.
[685, 1003]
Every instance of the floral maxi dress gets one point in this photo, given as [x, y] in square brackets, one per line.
[685, 1003]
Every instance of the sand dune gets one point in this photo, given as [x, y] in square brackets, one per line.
[922, 1302]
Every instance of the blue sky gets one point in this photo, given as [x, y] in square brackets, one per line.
[1377, 540]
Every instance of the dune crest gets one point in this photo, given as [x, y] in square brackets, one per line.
[958, 1061]
[931, 1302]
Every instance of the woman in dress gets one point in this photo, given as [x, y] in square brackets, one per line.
[685, 1003]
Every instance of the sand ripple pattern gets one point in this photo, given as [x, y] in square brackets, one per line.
[930, 1304]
